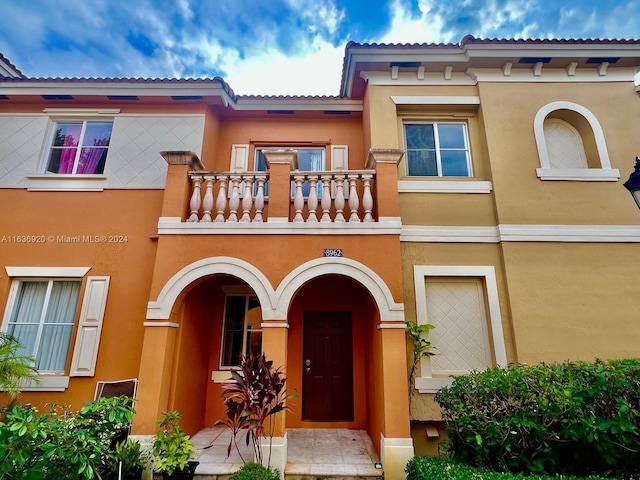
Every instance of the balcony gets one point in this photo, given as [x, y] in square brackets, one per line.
[282, 199]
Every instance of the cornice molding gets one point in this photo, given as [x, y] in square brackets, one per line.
[521, 233]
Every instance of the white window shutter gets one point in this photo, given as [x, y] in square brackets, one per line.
[239, 158]
[85, 352]
[340, 162]
[339, 157]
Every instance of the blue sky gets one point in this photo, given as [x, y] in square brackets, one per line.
[272, 47]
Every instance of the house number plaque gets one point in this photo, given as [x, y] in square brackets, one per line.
[332, 252]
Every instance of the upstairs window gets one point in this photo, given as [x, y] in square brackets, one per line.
[79, 147]
[309, 160]
[437, 150]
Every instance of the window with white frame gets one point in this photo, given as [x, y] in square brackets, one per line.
[571, 144]
[42, 319]
[462, 303]
[242, 331]
[437, 149]
[309, 160]
[42, 314]
[78, 147]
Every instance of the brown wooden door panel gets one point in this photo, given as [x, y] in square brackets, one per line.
[327, 367]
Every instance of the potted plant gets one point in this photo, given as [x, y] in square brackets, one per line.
[173, 449]
[128, 461]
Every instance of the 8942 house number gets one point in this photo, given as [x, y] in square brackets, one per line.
[332, 252]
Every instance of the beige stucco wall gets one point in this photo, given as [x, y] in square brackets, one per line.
[508, 111]
[573, 301]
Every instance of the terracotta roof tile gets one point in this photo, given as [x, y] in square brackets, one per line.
[8, 62]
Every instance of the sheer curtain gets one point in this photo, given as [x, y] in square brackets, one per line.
[69, 134]
[94, 150]
[25, 319]
[58, 325]
[47, 338]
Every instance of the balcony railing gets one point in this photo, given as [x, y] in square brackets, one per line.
[324, 197]
[282, 199]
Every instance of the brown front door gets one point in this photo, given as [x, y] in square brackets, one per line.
[327, 367]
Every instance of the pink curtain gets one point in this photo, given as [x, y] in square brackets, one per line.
[68, 154]
[96, 136]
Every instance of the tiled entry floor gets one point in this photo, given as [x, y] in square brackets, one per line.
[311, 452]
[331, 452]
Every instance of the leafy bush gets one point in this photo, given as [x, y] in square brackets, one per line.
[575, 418]
[15, 368]
[256, 471]
[61, 444]
[172, 447]
[427, 468]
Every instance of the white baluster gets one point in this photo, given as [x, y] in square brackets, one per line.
[298, 200]
[339, 200]
[312, 201]
[259, 201]
[194, 204]
[207, 204]
[326, 198]
[247, 198]
[221, 200]
[367, 199]
[354, 202]
[234, 199]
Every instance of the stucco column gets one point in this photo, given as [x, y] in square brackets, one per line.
[280, 164]
[177, 190]
[154, 378]
[385, 162]
[396, 445]
[275, 335]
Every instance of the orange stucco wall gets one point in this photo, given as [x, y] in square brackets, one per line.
[267, 132]
[53, 215]
[285, 253]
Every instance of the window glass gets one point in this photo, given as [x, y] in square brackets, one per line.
[42, 320]
[242, 328]
[309, 160]
[437, 149]
[79, 147]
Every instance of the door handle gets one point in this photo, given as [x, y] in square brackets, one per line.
[307, 362]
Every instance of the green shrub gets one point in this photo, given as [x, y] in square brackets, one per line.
[61, 444]
[575, 418]
[427, 468]
[256, 471]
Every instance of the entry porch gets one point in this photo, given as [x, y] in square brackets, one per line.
[338, 453]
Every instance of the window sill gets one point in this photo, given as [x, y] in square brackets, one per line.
[444, 186]
[221, 376]
[66, 182]
[431, 384]
[579, 174]
[48, 383]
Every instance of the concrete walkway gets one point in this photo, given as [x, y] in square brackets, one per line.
[312, 453]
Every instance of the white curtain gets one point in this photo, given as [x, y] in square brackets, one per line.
[56, 333]
[25, 319]
[47, 338]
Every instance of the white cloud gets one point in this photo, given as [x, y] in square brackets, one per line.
[315, 72]
[428, 27]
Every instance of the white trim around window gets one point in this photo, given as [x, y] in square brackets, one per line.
[84, 349]
[602, 174]
[444, 186]
[426, 383]
[47, 272]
